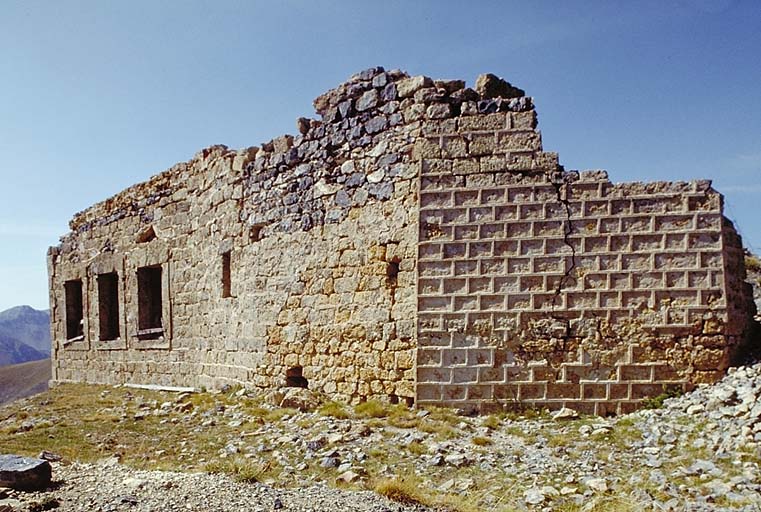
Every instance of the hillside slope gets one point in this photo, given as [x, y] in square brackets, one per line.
[22, 380]
[12, 351]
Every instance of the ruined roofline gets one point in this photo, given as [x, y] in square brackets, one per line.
[363, 92]
[640, 188]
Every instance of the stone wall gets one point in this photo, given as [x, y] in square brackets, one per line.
[416, 243]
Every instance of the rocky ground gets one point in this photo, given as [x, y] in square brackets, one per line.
[699, 451]
[109, 486]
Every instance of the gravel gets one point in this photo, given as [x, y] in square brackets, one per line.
[108, 486]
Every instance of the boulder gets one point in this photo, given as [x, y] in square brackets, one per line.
[24, 473]
[300, 398]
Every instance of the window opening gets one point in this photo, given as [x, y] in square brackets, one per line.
[108, 306]
[255, 232]
[149, 307]
[75, 324]
[294, 379]
[392, 271]
[226, 282]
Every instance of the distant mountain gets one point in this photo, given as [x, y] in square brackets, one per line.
[24, 335]
[27, 325]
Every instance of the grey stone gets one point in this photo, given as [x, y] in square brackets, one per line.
[381, 190]
[368, 74]
[388, 159]
[360, 197]
[389, 93]
[380, 80]
[376, 124]
[367, 101]
[330, 462]
[345, 109]
[487, 106]
[355, 179]
[342, 199]
[534, 496]
[24, 473]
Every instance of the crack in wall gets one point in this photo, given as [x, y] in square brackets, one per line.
[562, 180]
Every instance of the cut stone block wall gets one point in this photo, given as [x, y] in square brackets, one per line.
[540, 286]
[415, 244]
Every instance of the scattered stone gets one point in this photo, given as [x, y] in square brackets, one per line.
[49, 456]
[597, 484]
[534, 496]
[565, 414]
[348, 477]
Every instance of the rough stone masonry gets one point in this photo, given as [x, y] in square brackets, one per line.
[415, 244]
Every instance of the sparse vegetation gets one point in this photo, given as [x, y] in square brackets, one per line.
[402, 490]
[656, 402]
[245, 437]
[492, 422]
[334, 410]
[481, 441]
[243, 470]
[371, 409]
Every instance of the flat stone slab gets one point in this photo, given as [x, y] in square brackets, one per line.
[24, 473]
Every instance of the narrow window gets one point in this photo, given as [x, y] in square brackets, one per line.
[256, 232]
[149, 308]
[392, 271]
[74, 312]
[108, 306]
[226, 284]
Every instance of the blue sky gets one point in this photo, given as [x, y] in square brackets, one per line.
[98, 95]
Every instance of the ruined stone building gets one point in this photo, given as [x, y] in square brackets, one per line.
[415, 244]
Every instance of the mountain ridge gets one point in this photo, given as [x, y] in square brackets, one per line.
[24, 335]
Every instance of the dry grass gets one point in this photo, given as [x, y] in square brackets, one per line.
[371, 409]
[402, 490]
[334, 410]
[409, 490]
[242, 469]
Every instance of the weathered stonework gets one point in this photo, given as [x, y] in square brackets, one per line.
[416, 244]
